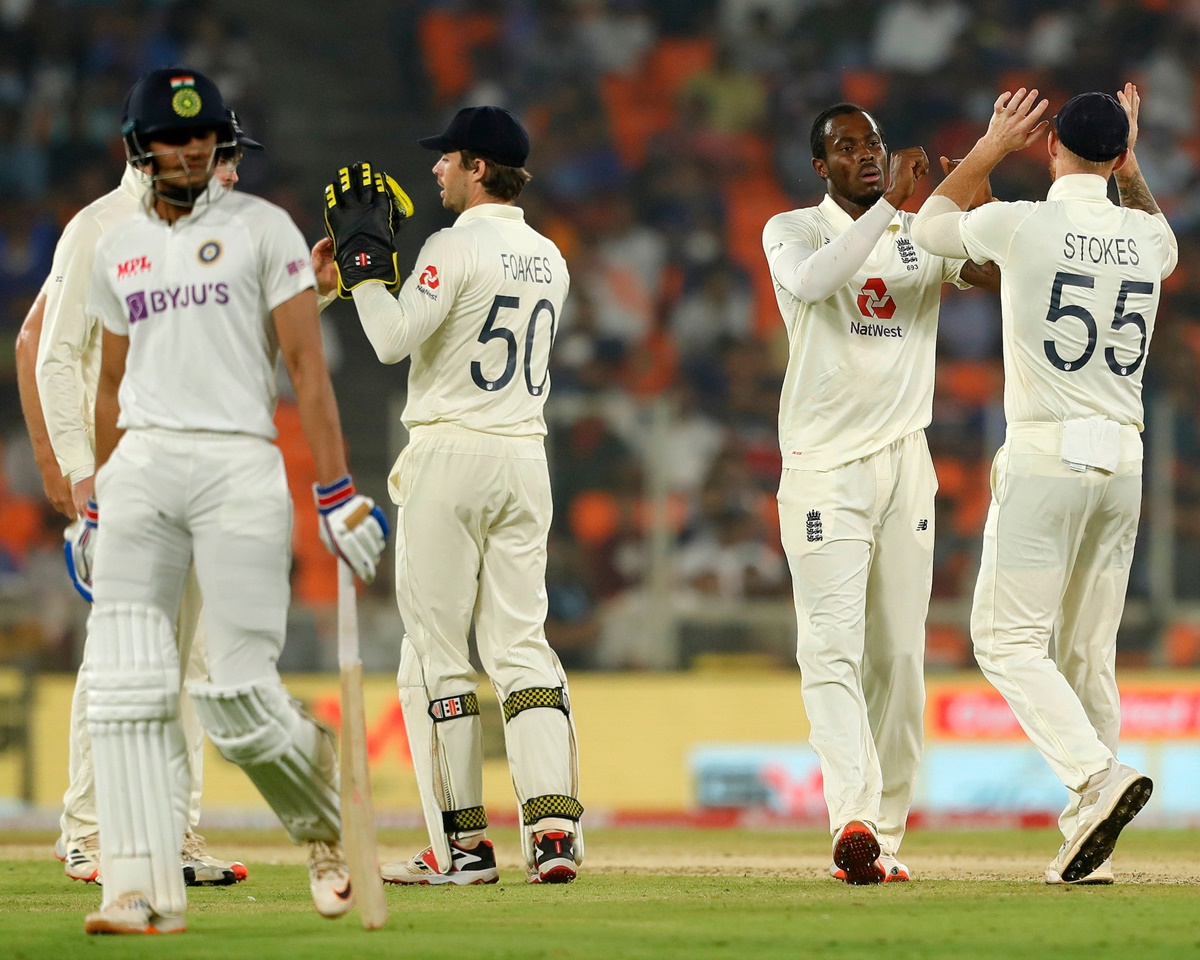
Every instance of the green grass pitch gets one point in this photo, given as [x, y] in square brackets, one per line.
[657, 894]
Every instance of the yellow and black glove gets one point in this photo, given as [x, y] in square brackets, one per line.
[363, 211]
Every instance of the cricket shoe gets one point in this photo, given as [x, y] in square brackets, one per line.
[476, 865]
[82, 861]
[132, 913]
[893, 870]
[1103, 874]
[856, 852]
[1110, 800]
[60, 850]
[329, 879]
[553, 859]
[199, 869]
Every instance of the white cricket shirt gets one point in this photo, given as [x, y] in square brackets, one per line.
[861, 365]
[195, 299]
[68, 361]
[1080, 284]
[478, 315]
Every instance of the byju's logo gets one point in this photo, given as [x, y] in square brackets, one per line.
[813, 524]
[145, 302]
[875, 301]
[136, 302]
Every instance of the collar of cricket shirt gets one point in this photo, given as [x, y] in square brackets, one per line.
[134, 182]
[841, 221]
[1079, 186]
[506, 211]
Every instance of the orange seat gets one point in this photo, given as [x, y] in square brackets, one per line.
[867, 88]
[635, 113]
[20, 524]
[446, 42]
[676, 60]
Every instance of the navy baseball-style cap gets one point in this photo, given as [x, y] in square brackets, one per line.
[491, 132]
[240, 135]
[1093, 126]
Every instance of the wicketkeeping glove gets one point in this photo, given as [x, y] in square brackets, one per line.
[80, 549]
[353, 527]
[363, 211]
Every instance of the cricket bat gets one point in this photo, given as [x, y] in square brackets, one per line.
[358, 812]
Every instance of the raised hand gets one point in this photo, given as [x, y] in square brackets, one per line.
[1017, 120]
[906, 167]
[324, 266]
[1131, 101]
[363, 211]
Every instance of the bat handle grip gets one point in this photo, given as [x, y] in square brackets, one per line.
[347, 616]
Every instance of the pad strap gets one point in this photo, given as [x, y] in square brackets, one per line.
[465, 820]
[550, 805]
[521, 700]
[451, 708]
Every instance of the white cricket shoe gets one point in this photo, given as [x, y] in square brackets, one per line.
[199, 869]
[856, 852]
[467, 867]
[329, 879]
[82, 859]
[132, 913]
[893, 870]
[1103, 874]
[553, 859]
[1110, 800]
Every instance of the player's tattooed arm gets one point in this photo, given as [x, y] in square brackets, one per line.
[1132, 189]
[986, 276]
[1131, 185]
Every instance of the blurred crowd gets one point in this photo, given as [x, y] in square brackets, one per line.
[665, 135]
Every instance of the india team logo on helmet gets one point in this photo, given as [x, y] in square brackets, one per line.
[185, 101]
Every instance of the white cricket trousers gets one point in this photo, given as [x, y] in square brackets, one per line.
[170, 498]
[474, 515]
[859, 541]
[78, 818]
[1057, 549]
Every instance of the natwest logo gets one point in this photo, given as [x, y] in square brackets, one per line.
[132, 267]
[875, 301]
[429, 277]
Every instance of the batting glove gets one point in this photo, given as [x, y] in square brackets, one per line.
[353, 527]
[363, 211]
[80, 549]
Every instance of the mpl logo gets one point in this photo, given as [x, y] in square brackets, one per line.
[429, 277]
[875, 301]
[132, 267]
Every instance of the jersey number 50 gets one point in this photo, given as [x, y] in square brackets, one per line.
[1058, 310]
[491, 332]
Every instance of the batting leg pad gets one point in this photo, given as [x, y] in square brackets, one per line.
[539, 735]
[139, 753]
[445, 738]
[287, 754]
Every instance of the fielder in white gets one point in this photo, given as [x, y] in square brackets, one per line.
[58, 363]
[478, 317]
[1081, 286]
[860, 303]
[199, 294]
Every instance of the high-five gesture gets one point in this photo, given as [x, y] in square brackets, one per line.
[1131, 100]
[1017, 120]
